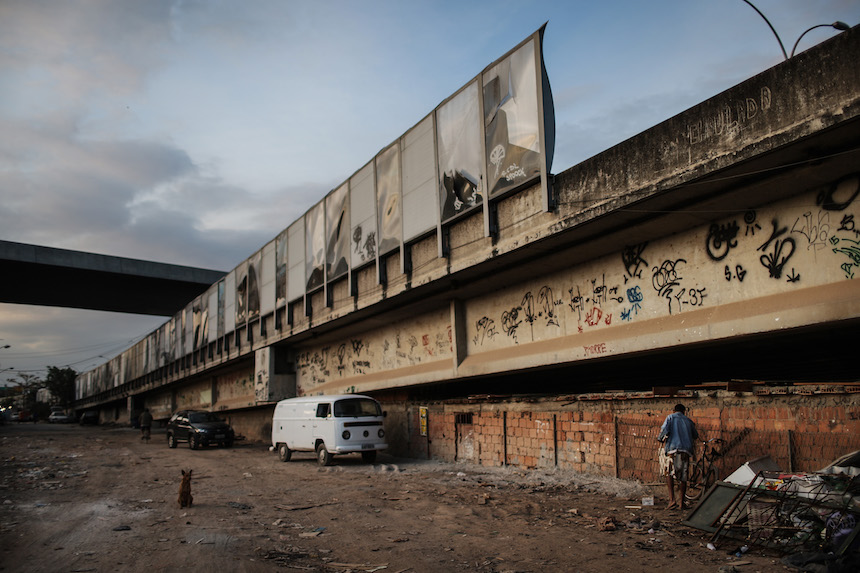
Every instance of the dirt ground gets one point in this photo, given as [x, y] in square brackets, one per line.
[98, 499]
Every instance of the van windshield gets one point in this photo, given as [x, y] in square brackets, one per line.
[356, 407]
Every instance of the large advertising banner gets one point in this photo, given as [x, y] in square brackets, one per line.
[388, 199]
[200, 313]
[420, 197]
[461, 167]
[362, 212]
[221, 304]
[338, 232]
[492, 137]
[242, 293]
[254, 286]
[315, 246]
[511, 121]
[296, 278]
[281, 270]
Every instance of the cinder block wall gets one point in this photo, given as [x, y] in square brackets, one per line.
[253, 424]
[616, 435]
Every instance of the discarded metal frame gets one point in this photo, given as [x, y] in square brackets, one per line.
[782, 512]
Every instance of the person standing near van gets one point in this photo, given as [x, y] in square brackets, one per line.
[678, 432]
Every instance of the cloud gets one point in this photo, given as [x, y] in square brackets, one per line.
[46, 336]
[68, 51]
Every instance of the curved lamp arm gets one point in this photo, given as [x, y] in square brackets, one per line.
[772, 29]
[841, 26]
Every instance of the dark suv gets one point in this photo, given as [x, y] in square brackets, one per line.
[198, 428]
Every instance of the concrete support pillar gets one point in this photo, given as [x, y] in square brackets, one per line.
[458, 333]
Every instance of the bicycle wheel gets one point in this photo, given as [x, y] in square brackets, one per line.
[701, 479]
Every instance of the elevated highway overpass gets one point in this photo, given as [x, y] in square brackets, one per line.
[712, 257]
[48, 276]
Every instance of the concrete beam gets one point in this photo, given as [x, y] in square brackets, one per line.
[48, 276]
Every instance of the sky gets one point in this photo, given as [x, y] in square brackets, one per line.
[192, 132]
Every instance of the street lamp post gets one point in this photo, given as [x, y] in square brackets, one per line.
[841, 26]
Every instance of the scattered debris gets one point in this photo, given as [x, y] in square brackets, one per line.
[606, 524]
[301, 507]
[788, 512]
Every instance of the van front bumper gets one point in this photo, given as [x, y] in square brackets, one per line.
[359, 448]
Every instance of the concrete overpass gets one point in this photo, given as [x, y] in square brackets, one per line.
[711, 257]
[48, 276]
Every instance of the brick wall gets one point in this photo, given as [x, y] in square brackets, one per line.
[617, 435]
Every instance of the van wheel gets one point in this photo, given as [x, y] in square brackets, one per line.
[284, 453]
[323, 455]
[368, 457]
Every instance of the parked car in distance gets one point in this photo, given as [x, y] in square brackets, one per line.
[199, 429]
[90, 417]
[60, 418]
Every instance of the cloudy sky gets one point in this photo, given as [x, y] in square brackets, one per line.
[192, 132]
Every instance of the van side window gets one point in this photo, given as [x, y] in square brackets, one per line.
[323, 410]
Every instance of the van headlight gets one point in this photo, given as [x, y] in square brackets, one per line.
[346, 435]
[381, 433]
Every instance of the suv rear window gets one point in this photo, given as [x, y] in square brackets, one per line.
[351, 407]
[203, 417]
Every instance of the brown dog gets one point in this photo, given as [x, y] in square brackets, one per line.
[185, 498]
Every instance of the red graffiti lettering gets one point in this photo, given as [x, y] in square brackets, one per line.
[595, 349]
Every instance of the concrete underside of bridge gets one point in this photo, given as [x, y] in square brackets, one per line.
[710, 259]
[47, 276]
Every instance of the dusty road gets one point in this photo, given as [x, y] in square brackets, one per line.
[98, 499]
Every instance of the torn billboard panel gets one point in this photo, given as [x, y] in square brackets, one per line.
[388, 199]
[254, 286]
[461, 167]
[511, 121]
[315, 246]
[337, 232]
[281, 270]
[362, 213]
[492, 137]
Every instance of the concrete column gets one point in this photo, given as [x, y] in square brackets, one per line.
[458, 333]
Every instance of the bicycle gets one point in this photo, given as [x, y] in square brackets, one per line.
[703, 474]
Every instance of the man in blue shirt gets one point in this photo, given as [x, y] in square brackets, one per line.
[679, 434]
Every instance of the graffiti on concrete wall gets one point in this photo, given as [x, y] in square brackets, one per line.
[730, 118]
[399, 345]
[633, 261]
[754, 253]
[750, 254]
[668, 281]
[777, 249]
[846, 240]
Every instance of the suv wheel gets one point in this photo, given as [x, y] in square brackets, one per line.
[171, 440]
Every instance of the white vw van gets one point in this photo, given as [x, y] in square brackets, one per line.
[328, 425]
